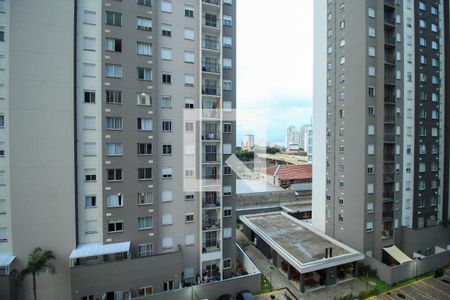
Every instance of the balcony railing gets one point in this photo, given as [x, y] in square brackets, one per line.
[389, 40]
[210, 224]
[211, 113]
[389, 100]
[390, 60]
[211, 22]
[388, 215]
[210, 203]
[389, 21]
[389, 137]
[389, 157]
[209, 247]
[388, 177]
[210, 90]
[210, 157]
[210, 136]
[390, 2]
[212, 68]
[215, 2]
[389, 118]
[210, 44]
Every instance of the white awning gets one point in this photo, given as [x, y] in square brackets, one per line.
[96, 249]
[397, 254]
[6, 259]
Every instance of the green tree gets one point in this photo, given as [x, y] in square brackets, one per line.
[39, 261]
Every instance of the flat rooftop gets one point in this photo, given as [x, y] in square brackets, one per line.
[249, 186]
[298, 242]
[297, 207]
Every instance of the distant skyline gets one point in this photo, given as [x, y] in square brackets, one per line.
[282, 85]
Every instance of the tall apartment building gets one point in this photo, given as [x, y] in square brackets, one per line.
[380, 89]
[135, 123]
[292, 138]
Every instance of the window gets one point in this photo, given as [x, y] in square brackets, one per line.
[227, 85]
[340, 218]
[227, 263]
[189, 218]
[113, 18]
[113, 97]
[229, 2]
[422, 24]
[89, 17]
[90, 201]
[189, 11]
[145, 291]
[226, 170]
[88, 70]
[113, 45]
[227, 211]
[166, 172]
[114, 123]
[90, 149]
[434, 28]
[370, 188]
[88, 43]
[371, 91]
[434, 45]
[369, 226]
[371, 12]
[226, 127]
[189, 34]
[342, 43]
[89, 96]
[166, 6]
[421, 222]
[113, 71]
[434, 10]
[371, 32]
[371, 71]
[144, 24]
[91, 227]
[145, 198]
[114, 200]
[145, 2]
[144, 173]
[144, 48]
[166, 30]
[166, 78]
[145, 124]
[227, 21]
[115, 226]
[227, 190]
[369, 207]
[189, 126]
[371, 130]
[114, 174]
[166, 126]
[166, 53]
[166, 196]
[167, 149]
[370, 169]
[189, 57]
[167, 219]
[145, 250]
[371, 51]
[90, 175]
[371, 111]
[189, 80]
[166, 102]
[144, 74]
[2, 33]
[114, 149]
[144, 223]
[168, 286]
[227, 42]
[189, 103]
[144, 99]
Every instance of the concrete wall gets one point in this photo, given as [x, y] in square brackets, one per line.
[213, 290]
[126, 275]
[42, 138]
[265, 199]
[413, 241]
[8, 286]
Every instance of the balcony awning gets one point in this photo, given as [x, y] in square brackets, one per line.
[397, 254]
[97, 249]
[6, 259]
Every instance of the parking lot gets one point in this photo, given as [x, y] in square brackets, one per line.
[426, 289]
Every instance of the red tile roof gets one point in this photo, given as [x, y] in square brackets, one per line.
[291, 172]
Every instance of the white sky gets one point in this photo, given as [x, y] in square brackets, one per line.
[275, 63]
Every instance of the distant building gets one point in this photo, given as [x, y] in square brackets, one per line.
[292, 138]
[286, 176]
[248, 141]
[307, 137]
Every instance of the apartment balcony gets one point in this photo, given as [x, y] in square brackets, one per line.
[390, 157]
[211, 68]
[211, 44]
[389, 80]
[389, 41]
[388, 177]
[389, 22]
[389, 100]
[210, 203]
[388, 197]
[211, 23]
[389, 118]
[211, 158]
[210, 136]
[213, 2]
[389, 138]
[389, 60]
[387, 216]
[211, 246]
[210, 91]
[389, 3]
[210, 223]
[211, 113]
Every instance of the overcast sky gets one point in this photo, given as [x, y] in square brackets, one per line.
[274, 65]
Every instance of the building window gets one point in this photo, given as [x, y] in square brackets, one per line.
[227, 85]
[113, 71]
[88, 43]
[166, 6]
[144, 173]
[144, 24]
[90, 149]
[144, 48]
[371, 32]
[421, 222]
[371, 12]
[144, 74]
[227, 190]
[113, 97]
[168, 286]
[371, 91]
[227, 42]
[166, 30]
[89, 96]
[144, 223]
[146, 290]
[189, 80]
[167, 149]
[226, 170]
[166, 53]
[166, 173]
[114, 174]
[90, 175]
[88, 70]
[369, 226]
[113, 18]
[114, 149]
[90, 201]
[227, 21]
[145, 198]
[189, 11]
[166, 126]
[340, 218]
[166, 102]
[144, 99]
[114, 200]
[114, 123]
[144, 124]
[167, 219]
[189, 218]
[189, 34]
[113, 45]
[90, 228]
[145, 2]
[144, 149]
[370, 169]
[89, 17]
[166, 78]
[227, 263]
[115, 226]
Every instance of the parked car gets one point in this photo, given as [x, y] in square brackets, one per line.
[245, 295]
[225, 297]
